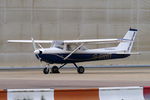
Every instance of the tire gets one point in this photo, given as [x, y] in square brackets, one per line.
[80, 70]
[55, 69]
[46, 70]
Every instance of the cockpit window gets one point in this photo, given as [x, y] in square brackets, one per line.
[71, 47]
[68, 47]
[58, 44]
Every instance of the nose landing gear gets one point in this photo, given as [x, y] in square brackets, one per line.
[46, 70]
[54, 69]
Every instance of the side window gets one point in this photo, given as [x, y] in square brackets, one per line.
[59, 46]
[68, 48]
[71, 47]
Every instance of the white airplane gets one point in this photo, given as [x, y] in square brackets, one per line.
[73, 51]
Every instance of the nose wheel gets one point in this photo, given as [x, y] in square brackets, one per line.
[54, 69]
[46, 70]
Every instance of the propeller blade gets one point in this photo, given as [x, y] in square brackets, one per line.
[34, 45]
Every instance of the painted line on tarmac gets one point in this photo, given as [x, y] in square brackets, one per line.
[67, 67]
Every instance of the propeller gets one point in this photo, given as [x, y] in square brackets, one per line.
[36, 51]
[34, 45]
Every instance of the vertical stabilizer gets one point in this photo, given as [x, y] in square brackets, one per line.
[127, 46]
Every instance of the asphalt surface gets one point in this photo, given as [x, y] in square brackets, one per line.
[69, 78]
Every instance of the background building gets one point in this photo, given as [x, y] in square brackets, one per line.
[71, 19]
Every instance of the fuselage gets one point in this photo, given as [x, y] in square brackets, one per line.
[57, 55]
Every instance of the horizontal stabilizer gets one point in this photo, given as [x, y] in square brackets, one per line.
[121, 53]
[131, 53]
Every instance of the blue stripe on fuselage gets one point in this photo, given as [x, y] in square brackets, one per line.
[59, 58]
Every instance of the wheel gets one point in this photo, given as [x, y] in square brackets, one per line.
[46, 70]
[80, 70]
[55, 69]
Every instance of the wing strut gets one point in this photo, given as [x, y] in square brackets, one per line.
[73, 51]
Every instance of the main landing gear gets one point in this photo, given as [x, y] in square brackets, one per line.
[55, 69]
[80, 69]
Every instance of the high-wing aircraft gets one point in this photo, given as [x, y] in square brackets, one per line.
[73, 51]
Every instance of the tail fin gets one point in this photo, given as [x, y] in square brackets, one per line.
[127, 46]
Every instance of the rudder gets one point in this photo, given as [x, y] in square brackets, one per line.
[127, 46]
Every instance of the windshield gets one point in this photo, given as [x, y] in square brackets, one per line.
[58, 44]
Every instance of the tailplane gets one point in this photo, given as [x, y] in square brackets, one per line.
[127, 46]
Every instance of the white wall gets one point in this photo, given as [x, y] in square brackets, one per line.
[71, 19]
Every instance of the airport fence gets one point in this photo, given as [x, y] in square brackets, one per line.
[110, 93]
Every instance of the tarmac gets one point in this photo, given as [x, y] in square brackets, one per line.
[69, 78]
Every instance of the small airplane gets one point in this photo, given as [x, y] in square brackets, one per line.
[73, 51]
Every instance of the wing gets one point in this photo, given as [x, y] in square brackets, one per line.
[72, 41]
[29, 41]
[95, 41]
